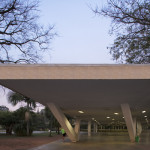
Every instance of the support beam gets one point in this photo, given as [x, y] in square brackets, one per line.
[77, 128]
[61, 118]
[134, 125]
[139, 128]
[129, 121]
[89, 128]
[95, 127]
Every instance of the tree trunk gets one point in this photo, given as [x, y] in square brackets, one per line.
[58, 132]
[28, 132]
[27, 117]
[50, 134]
[9, 130]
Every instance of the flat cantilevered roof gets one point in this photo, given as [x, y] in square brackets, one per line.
[98, 90]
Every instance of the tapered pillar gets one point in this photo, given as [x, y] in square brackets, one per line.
[77, 128]
[129, 121]
[95, 127]
[65, 124]
[89, 128]
[139, 128]
[134, 125]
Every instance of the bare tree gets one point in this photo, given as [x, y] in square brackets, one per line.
[131, 23]
[22, 38]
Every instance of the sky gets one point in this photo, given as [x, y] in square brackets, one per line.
[82, 37]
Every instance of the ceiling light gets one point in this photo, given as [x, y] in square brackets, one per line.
[122, 117]
[107, 117]
[81, 112]
[143, 111]
[116, 113]
[145, 116]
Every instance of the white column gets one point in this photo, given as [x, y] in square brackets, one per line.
[129, 121]
[96, 128]
[134, 124]
[89, 128]
[139, 128]
[77, 128]
[61, 118]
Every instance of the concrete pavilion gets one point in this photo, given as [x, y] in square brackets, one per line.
[97, 90]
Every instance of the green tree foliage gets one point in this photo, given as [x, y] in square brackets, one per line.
[20, 127]
[131, 23]
[22, 38]
[7, 120]
[38, 122]
[15, 98]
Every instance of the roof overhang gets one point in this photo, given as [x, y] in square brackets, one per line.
[98, 90]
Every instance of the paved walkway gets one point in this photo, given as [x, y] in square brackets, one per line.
[100, 141]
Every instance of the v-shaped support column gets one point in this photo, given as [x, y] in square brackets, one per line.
[129, 121]
[61, 118]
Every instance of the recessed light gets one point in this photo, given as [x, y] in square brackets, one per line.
[116, 113]
[107, 117]
[145, 116]
[143, 111]
[122, 117]
[81, 112]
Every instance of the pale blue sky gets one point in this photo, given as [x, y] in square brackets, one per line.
[82, 36]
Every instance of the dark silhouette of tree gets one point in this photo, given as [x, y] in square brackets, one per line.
[131, 23]
[15, 98]
[7, 120]
[22, 38]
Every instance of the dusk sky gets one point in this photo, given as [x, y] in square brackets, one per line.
[83, 37]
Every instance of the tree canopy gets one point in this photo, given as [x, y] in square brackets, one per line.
[14, 98]
[131, 23]
[22, 38]
[7, 120]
